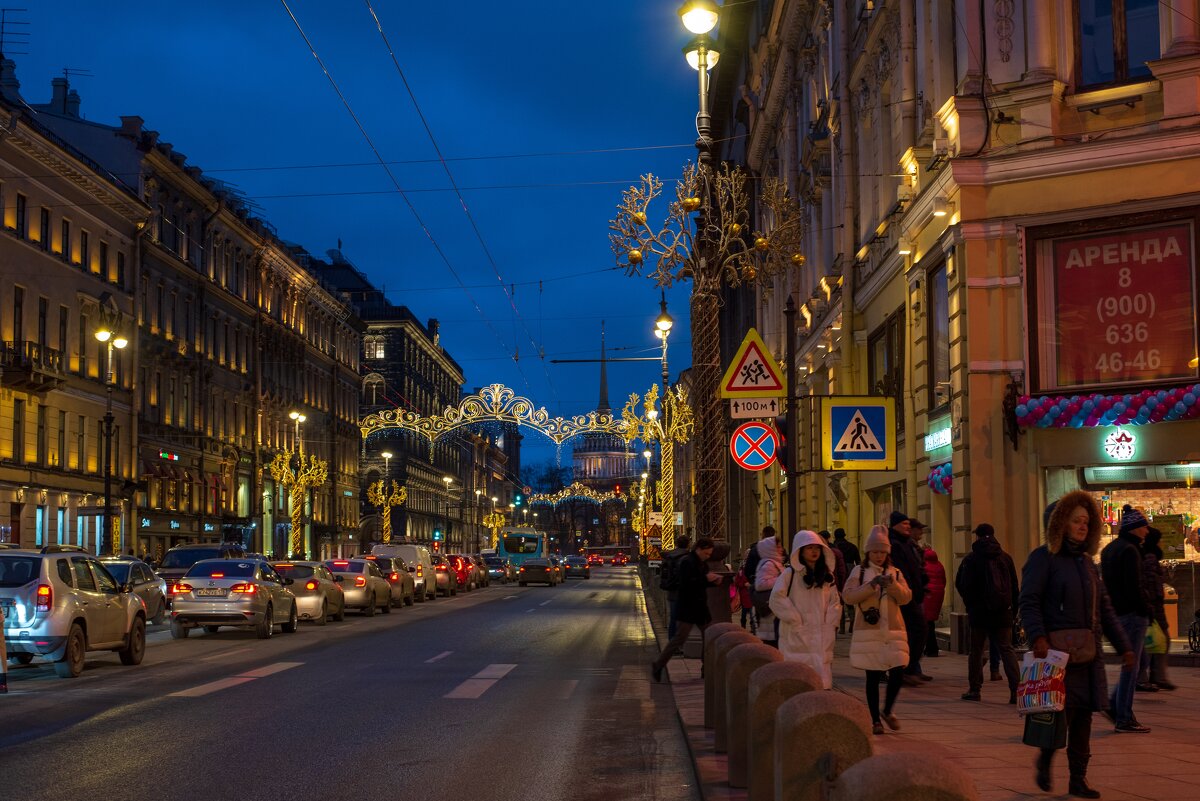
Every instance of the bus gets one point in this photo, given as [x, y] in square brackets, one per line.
[518, 544]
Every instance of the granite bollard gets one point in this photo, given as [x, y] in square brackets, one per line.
[769, 687]
[740, 664]
[818, 736]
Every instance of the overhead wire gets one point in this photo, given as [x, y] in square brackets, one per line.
[395, 182]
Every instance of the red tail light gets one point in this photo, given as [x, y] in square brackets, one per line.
[181, 589]
[360, 581]
[244, 589]
[312, 585]
[45, 598]
[394, 577]
[522, 570]
[218, 575]
[341, 564]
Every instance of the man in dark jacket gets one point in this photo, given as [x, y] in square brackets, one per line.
[849, 549]
[668, 577]
[911, 564]
[987, 582]
[840, 571]
[691, 608]
[1123, 573]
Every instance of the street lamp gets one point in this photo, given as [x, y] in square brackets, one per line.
[448, 480]
[512, 514]
[699, 16]
[109, 334]
[387, 463]
[299, 419]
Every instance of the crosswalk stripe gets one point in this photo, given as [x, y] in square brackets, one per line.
[471, 688]
[494, 672]
[278, 667]
[212, 687]
[440, 656]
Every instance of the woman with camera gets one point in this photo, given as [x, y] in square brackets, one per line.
[879, 644]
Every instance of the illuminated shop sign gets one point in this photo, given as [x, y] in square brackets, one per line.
[937, 439]
[1120, 445]
[170, 457]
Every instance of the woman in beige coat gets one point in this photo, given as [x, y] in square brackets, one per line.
[879, 644]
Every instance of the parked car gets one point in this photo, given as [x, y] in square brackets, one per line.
[61, 605]
[555, 563]
[365, 587]
[577, 566]
[446, 578]
[178, 560]
[620, 560]
[318, 591]
[402, 584]
[420, 566]
[595, 559]
[141, 579]
[497, 568]
[482, 578]
[464, 571]
[536, 571]
[243, 593]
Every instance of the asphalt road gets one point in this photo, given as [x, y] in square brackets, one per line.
[502, 693]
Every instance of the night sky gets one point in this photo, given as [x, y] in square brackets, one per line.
[512, 92]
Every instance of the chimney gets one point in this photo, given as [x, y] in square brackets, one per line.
[58, 95]
[10, 87]
[131, 127]
[73, 104]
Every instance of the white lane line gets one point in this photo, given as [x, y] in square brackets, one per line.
[471, 688]
[508, 597]
[278, 667]
[634, 683]
[543, 603]
[224, 654]
[531, 610]
[213, 686]
[442, 655]
[494, 672]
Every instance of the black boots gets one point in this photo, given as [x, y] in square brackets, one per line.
[1042, 775]
[1081, 789]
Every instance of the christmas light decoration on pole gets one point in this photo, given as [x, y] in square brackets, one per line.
[386, 494]
[494, 521]
[309, 472]
[673, 426]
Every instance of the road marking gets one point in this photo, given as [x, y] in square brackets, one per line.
[543, 603]
[278, 667]
[471, 688]
[634, 683]
[508, 597]
[225, 654]
[494, 672]
[442, 655]
[531, 610]
[213, 686]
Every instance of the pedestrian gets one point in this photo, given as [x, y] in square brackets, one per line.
[806, 603]
[879, 644]
[770, 565]
[1121, 566]
[987, 582]
[839, 574]
[912, 565]
[692, 603]
[1152, 675]
[746, 601]
[668, 579]
[1061, 597]
[852, 558]
[935, 596]
[750, 565]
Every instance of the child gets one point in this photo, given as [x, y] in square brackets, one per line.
[805, 600]
[879, 644]
[742, 585]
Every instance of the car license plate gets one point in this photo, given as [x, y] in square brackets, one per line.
[216, 592]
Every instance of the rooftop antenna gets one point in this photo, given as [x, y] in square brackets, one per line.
[10, 38]
[69, 71]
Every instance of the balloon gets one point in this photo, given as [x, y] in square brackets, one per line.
[1119, 407]
[1179, 407]
[1189, 399]
[1151, 402]
[1023, 410]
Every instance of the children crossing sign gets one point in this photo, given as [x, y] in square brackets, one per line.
[752, 373]
[858, 433]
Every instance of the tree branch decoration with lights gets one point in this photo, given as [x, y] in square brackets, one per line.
[674, 425]
[386, 496]
[309, 472]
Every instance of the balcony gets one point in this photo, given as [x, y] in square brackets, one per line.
[31, 366]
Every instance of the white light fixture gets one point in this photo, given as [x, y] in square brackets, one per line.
[699, 16]
[702, 44]
[941, 207]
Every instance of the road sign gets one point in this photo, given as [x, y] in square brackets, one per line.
[858, 433]
[753, 373]
[748, 408]
[654, 518]
[754, 446]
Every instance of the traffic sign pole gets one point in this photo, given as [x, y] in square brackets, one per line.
[791, 427]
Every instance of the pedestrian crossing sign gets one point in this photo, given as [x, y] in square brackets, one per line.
[858, 433]
[752, 373]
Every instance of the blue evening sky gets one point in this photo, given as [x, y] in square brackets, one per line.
[233, 85]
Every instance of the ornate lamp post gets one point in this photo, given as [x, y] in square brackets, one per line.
[494, 521]
[674, 425]
[309, 472]
[447, 480]
[716, 248]
[386, 494]
[109, 334]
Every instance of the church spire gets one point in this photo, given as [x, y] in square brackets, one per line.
[603, 405]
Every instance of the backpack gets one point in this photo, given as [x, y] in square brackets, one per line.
[998, 591]
[668, 578]
[750, 566]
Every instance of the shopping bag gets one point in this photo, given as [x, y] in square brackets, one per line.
[1043, 687]
[1046, 730]
[1156, 639]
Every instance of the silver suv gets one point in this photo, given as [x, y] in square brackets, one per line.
[61, 603]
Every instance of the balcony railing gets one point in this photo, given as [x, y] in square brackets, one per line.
[31, 365]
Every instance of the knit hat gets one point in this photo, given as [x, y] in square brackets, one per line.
[878, 540]
[1131, 518]
[896, 518]
[985, 530]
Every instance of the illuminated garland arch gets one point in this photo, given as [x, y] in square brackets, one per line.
[575, 492]
[493, 403]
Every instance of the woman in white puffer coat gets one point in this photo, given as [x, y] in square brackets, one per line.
[805, 599]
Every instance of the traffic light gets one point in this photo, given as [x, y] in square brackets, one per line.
[617, 489]
[437, 535]
[517, 500]
[437, 546]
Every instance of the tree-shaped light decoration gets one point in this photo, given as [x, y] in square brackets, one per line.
[386, 495]
[309, 472]
[721, 250]
[494, 521]
[674, 424]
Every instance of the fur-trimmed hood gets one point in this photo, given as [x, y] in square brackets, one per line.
[1061, 512]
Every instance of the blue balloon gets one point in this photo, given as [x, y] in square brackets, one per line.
[1088, 405]
[1128, 399]
[1076, 422]
[1162, 394]
[1022, 410]
[1180, 408]
[1150, 403]
[1055, 411]
[1118, 408]
[1189, 399]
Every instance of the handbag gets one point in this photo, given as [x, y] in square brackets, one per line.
[1156, 639]
[1080, 644]
[1046, 730]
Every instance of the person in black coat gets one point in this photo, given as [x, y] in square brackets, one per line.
[1121, 566]
[989, 613]
[691, 606]
[1061, 589]
[1152, 676]
[911, 564]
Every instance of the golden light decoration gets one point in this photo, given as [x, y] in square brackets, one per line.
[575, 492]
[675, 424]
[493, 403]
[386, 496]
[494, 521]
[309, 472]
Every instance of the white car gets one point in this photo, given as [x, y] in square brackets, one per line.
[245, 593]
[420, 565]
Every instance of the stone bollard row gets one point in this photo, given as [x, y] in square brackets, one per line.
[740, 664]
[768, 688]
[711, 635]
[724, 644]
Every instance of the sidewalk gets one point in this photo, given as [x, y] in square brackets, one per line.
[985, 738]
